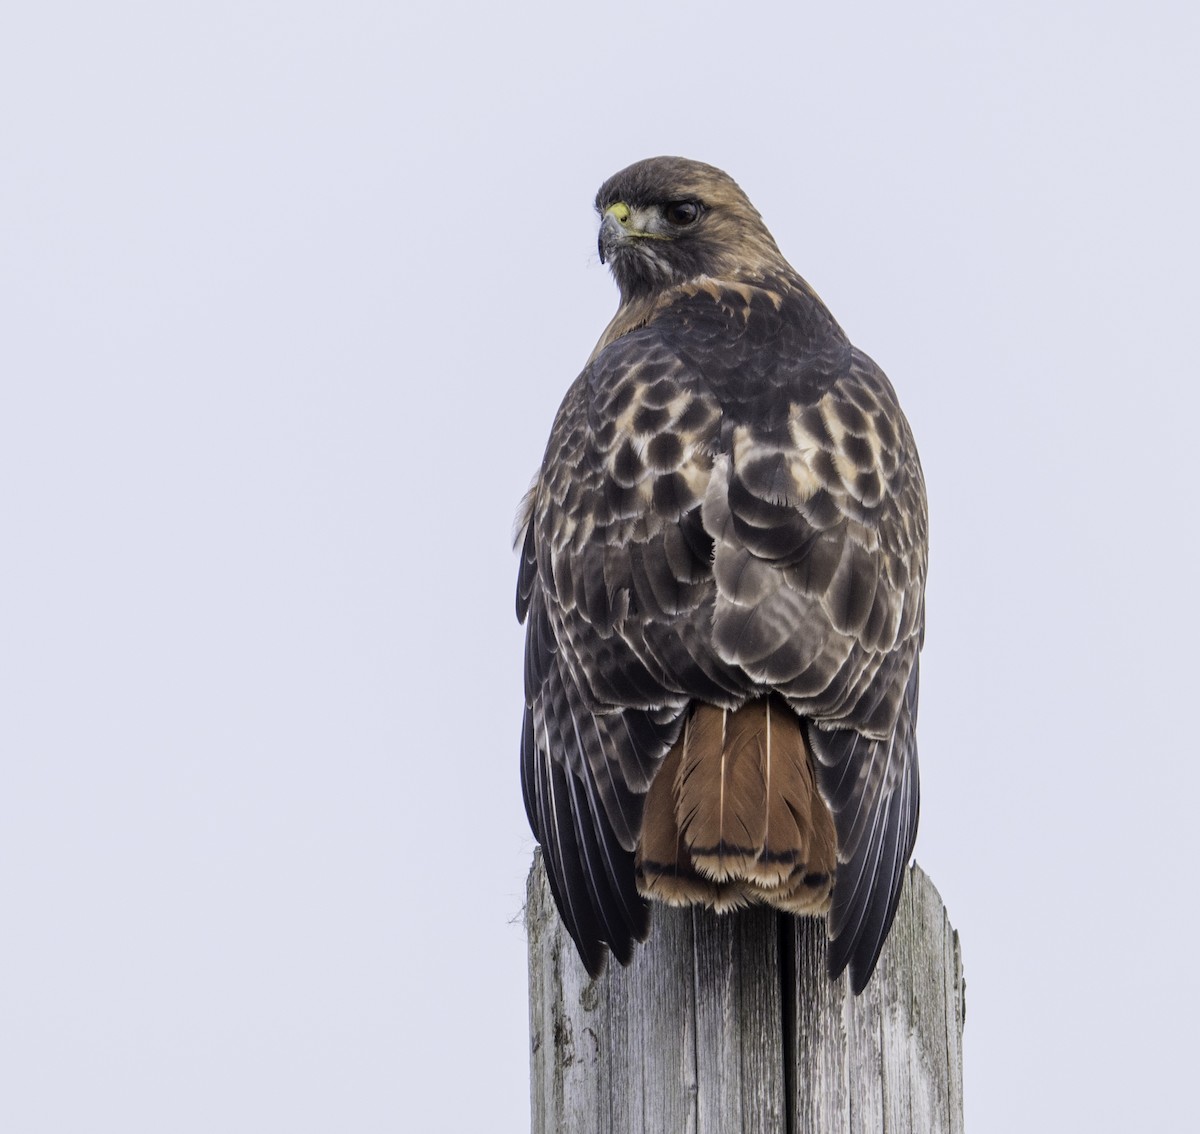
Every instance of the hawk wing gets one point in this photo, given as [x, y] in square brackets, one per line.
[723, 511]
[614, 555]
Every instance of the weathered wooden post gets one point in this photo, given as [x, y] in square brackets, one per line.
[729, 1025]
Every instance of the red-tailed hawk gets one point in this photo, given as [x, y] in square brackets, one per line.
[722, 579]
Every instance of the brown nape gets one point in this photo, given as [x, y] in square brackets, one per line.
[734, 816]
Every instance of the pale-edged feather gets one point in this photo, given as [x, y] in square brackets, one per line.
[665, 871]
[873, 791]
[799, 833]
[719, 797]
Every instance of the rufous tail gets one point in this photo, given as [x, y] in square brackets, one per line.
[733, 815]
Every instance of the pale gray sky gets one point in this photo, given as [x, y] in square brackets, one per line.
[290, 293]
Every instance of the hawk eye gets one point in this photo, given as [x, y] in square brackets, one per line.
[681, 213]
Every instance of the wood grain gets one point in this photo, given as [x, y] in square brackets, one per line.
[728, 1023]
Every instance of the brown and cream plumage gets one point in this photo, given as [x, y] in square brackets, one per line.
[722, 578]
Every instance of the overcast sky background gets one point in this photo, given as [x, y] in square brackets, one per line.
[289, 294]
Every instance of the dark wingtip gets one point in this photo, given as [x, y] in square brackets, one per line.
[625, 948]
[642, 930]
[837, 957]
[594, 953]
[861, 949]
[860, 975]
[870, 882]
[846, 953]
[594, 957]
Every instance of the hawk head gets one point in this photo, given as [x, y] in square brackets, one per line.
[667, 220]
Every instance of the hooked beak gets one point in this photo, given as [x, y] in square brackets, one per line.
[614, 230]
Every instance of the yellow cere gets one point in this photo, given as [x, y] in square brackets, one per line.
[620, 210]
